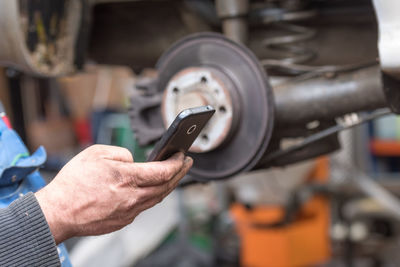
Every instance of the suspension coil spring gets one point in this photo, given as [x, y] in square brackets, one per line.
[289, 44]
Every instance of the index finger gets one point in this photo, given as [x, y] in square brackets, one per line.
[158, 172]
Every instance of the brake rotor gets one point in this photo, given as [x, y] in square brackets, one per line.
[208, 68]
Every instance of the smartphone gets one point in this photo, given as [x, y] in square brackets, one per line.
[182, 132]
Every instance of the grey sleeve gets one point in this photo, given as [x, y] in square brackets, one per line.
[25, 237]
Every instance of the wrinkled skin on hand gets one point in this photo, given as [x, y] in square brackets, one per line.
[102, 190]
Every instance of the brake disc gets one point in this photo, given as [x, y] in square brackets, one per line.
[209, 69]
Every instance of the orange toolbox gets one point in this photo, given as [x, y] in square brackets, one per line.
[304, 242]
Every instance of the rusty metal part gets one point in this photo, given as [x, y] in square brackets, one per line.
[236, 29]
[280, 157]
[278, 154]
[233, 14]
[306, 106]
[232, 8]
[300, 102]
[37, 42]
[145, 111]
[235, 72]
[193, 87]
[288, 45]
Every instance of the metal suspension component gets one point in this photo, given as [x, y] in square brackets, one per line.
[233, 14]
[301, 101]
[307, 107]
[347, 122]
[251, 125]
[203, 69]
[288, 43]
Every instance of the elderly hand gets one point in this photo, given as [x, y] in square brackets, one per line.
[102, 190]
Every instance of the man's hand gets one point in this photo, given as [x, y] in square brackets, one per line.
[101, 190]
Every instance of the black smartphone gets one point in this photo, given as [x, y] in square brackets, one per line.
[182, 132]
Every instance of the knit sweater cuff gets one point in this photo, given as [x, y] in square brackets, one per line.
[25, 237]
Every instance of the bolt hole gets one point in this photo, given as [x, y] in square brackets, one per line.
[204, 137]
[203, 79]
[222, 109]
[175, 90]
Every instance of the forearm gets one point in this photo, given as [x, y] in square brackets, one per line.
[25, 237]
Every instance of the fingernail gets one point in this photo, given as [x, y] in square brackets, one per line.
[188, 160]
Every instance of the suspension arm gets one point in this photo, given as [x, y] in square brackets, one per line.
[326, 98]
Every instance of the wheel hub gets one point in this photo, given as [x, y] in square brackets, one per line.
[193, 87]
